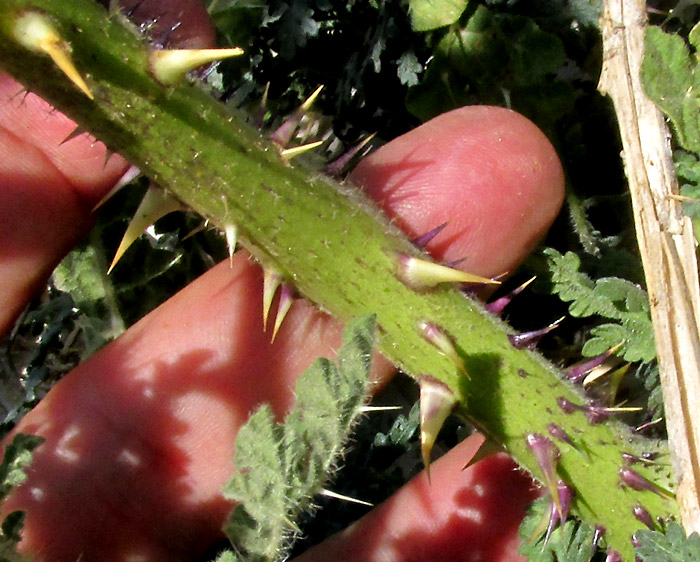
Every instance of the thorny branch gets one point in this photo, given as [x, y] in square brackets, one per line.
[666, 242]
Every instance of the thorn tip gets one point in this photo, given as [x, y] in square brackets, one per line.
[36, 32]
[169, 66]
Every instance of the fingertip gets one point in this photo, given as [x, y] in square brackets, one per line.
[488, 172]
[470, 514]
[181, 24]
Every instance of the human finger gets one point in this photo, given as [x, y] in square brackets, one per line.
[146, 428]
[50, 184]
[458, 515]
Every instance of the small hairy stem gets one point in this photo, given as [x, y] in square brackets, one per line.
[339, 252]
[666, 243]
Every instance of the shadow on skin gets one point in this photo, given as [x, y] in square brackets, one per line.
[460, 515]
[140, 438]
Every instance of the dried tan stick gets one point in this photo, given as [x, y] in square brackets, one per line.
[665, 239]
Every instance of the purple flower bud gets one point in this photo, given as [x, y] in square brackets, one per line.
[643, 516]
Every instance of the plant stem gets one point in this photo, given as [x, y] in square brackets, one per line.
[334, 245]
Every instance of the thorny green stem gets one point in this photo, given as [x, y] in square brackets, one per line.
[336, 248]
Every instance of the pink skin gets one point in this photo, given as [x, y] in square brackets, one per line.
[139, 439]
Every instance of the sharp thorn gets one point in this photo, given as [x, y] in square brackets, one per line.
[130, 175]
[196, 230]
[607, 370]
[436, 403]
[259, 119]
[530, 340]
[422, 274]
[486, 449]
[108, 154]
[285, 303]
[36, 32]
[169, 66]
[231, 233]
[424, 239]
[637, 482]
[546, 454]
[643, 516]
[271, 282]
[338, 165]
[577, 373]
[437, 337]
[283, 134]
[497, 306]
[289, 153]
[155, 204]
[369, 409]
[74, 134]
[336, 496]
[311, 99]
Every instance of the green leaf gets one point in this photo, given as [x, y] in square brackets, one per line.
[281, 467]
[609, 297]
[408, 69]
[671, 78]
[17, 457]
[431, 14]
[673, 546]
[499, 59]
[226, 556]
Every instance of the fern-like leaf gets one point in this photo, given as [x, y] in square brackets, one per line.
[611, 298]
[673, 546]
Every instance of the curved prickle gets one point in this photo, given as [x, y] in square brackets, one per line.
[424, 239]
[546, 454]
[36, 31]
[637, 482]
[419, 274]
[155, 204]
[283, 134]
[497, 306]
[578, 373]
[643, 516]
[530, 340]
[436, 403]
[285, 303]
[169, 66]
[337, 166]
